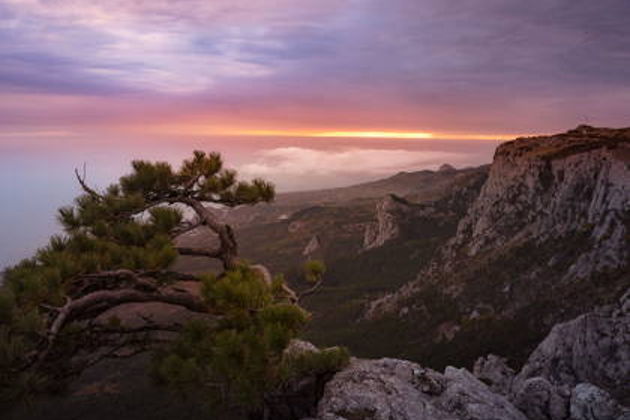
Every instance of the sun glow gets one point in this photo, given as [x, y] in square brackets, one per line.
[202, 130]
[335, 134]
[376, 134]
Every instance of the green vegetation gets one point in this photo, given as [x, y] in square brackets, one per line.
[314, 271]
[63, 310]
[242, 357]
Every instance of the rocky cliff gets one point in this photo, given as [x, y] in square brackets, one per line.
[546, 238]
[543, 189]
[579, 372]
[392, 213]
[396, 216]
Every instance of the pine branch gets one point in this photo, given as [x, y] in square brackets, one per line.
[200, 252]
[309, 291]
[85, 187]
[93, 304]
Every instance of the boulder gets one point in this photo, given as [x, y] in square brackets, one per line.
[494, 371]
[589, 402]
[593, 348]
[397, 389]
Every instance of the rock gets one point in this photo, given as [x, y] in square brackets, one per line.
[313, 246]
[297, 347]
[545, 239]
[589, 402]
[579, 372]
[296, 226]
[582, 366]
[541, 188]
[469, 398]
[593, 348]
[428, 382]
[494, 371]
[296, 398]
[540, 400]
[446, 168]
[389, 211]
[397, 389]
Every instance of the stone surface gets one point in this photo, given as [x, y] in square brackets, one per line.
[540, 400]
[593, 348]
[389, 213]
[397, 389]
[550, 223]
[446, 168]
[580, 371]
[313, 246]
[494, 371]
[589, 402]
[546, 187]
[296, 398]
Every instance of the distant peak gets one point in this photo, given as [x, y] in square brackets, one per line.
[446, 168]
[583, 129]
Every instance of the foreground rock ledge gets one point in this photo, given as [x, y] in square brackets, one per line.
[581, 371]
[387, 389]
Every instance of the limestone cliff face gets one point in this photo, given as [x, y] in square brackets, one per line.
[312, 247]
[391, 213]
[386, 226]
[548, 236]
[396, 216]
[544, 188]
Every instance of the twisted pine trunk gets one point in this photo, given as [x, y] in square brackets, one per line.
[228, 248]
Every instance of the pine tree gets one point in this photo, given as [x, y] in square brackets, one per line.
[117, 247]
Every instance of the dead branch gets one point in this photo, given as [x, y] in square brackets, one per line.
[86, 187]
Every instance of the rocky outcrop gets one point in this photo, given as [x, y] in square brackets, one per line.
[313, 246]
[297, 397]
[579, 372]
[589, 402]
[390, 214]
[397, 217]
[582, 368]
[547, 237]
[446, 168]
[545, 188]
[397, 389]
[494, 371]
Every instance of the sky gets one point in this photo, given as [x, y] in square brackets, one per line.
[497, 67]
[309, 94]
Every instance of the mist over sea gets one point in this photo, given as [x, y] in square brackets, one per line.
[36, 172]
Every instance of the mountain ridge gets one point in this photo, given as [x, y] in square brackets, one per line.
[550, 222]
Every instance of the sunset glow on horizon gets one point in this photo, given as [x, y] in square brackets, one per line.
[410, 135]
[331, 68]
[310, 94]
[194, 129]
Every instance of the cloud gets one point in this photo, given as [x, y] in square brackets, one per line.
[478, 65]
[293, 167]
[158, 46]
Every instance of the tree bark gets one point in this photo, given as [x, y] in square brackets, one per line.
[228, 248]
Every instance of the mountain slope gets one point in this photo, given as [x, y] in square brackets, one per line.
[547, 238]
[578, 372]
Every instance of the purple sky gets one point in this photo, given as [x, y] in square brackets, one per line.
[468, 66]
[105, 81]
